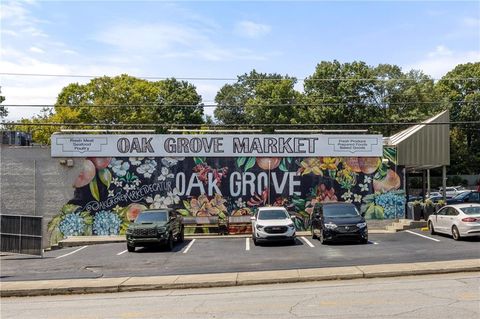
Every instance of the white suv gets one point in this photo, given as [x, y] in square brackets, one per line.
[452, 191]
[272, 223]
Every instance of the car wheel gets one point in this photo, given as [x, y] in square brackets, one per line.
[254, 239]
[170, 243]
[455, 233]
[130, 248]
[181, 236]
[364, 240]
[293, 242]
[430, 228]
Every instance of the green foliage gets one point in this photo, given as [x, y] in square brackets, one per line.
[121, 99]
[3, 110]
[258, 98]
[460, 91]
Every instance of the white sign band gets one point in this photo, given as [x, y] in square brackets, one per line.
[216, 145]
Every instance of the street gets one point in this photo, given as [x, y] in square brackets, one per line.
[203, 256]
[432, 296]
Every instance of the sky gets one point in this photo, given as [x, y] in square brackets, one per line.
[221, 39]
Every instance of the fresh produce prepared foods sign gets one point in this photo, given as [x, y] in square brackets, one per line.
[216, 145]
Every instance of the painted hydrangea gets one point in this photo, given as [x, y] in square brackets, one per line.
[106, 223]
[119, 167]
[72, 225]
[393, 204]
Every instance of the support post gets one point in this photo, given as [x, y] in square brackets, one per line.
[444, 182]
[428, 182]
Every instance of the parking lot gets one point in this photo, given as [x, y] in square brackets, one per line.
[228, 254]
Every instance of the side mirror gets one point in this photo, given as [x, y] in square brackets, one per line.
[252, 218]
[363, 214]
[293, 217]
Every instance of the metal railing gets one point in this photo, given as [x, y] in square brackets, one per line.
[21, 234]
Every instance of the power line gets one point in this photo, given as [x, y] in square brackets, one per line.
[165, 125]
[232, 105]
[235, 79]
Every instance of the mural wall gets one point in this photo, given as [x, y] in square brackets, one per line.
[110, 192]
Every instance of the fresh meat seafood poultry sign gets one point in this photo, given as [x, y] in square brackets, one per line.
[216, 145]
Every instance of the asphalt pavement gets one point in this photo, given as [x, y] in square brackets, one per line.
[228, 255]
[426, 297]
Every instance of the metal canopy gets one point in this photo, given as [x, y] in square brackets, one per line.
[423, 146]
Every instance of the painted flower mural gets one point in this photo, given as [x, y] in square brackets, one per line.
[111, 192]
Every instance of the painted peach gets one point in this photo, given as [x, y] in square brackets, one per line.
[390, 182]
[86, 174]
[100, 162]
[133, 210]
[267, 163]
[352, 163]
[369, 165]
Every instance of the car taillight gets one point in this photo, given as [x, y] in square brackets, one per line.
[469, 219]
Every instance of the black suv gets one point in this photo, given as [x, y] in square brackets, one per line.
[338, 221]
[152, 227]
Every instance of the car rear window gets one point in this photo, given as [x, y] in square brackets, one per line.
[273, 214]
[475, 210]
[150, 217]
[340, 211]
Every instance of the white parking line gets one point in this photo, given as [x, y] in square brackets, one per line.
[307, 242]
[188, 247]
[374, 242]
[122, 252]
[247, 243]
[414, 233]
[72, 252]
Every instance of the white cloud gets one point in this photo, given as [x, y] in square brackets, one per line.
[250, 29]
[471, 22]
[442, 60]
[171, 41]
[36, 50]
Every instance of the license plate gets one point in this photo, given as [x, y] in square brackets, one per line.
[276, 228]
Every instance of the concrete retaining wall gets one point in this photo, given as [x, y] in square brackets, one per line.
[32, 183]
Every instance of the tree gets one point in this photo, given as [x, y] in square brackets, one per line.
[258, 98]
[356, 92]
[122, 100]
[3, 110]
[125, 99]
[460, 91]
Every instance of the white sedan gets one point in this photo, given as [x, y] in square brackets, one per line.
[461, 220]
[272, 223]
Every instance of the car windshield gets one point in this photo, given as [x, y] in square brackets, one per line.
[462, 195]
[272, 214]
[151, 217]
[474, 210]
[340, 211]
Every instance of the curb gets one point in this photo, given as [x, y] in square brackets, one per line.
[124, 284]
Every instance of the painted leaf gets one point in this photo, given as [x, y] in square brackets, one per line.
[390, 153]
[55, 222]
[105, 177]
[183, 212]
[250, 163]
[198, 160]
[282, 166]
[370, 213]
[94, 189]
[379, 212]
[289, 159]
[69, 208]
[186, 204]
[241, 161]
